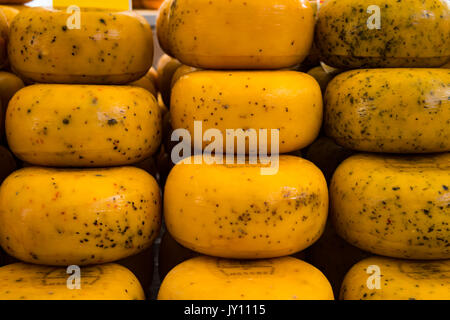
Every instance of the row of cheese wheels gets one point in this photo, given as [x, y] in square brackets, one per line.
[211, 278]
[375, 110]
[392, 206]
[216, 36]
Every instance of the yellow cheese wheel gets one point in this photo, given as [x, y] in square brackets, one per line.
[171, 254]
[63, 217]
[384, 33]
[7, 163]
[108, 48]
[9, 85]
[141, 265]
[207, 278]
[233, 211]
[398, 280]
[288, 101]
[83, 125]
[22, 281]
[394, 206]
[333, 256]
[254, 34]
[390, 110]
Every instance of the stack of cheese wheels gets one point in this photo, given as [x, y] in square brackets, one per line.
[80, 203]
[246, 213]
[392, 199]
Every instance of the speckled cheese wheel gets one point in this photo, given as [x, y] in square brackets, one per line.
[233, 211]
[390, 110]
[394, 206]
[411, 33]
[83, 125]
[287, 101]
[399, 280]
[4, 30]
[110, 47]
[82, 217]
[251, 34]
[22, 281]
[207, 278]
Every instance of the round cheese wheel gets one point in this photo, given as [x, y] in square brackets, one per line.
[390, 110]
[379, 278]
[287, 101]
[207, 278]
[105, 48]
[235, 211]
[384, 33]
[147, 82]
[141, 265]
[22, 281]
[82, 217]
[394, 206]
[83, 125]
[333, 256]
[254, 34]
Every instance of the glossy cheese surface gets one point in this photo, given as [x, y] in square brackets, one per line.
[394, 206]
[165, 69]
[91, 216]
[7, 163]
[22, 281]
[254, 34]
[410, 33]
[206, 278]
[390, 110]
[399, 280]
[235, 212]
[108, 48]
[287, 101]
[82, 125]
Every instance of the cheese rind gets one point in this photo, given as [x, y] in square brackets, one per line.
[83, 125]
[384, 33]
[399, 280]
[108, 47]
[82, 217]
[207, 278]
[394, 206]
[390, 110]
[285, 101]
[233, 211]
[22, 281]
[255, 34]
